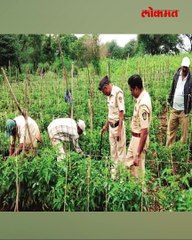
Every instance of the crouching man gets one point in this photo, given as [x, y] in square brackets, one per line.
[26, 131]
[63, 130]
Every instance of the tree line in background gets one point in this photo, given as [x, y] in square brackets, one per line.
[35, 51]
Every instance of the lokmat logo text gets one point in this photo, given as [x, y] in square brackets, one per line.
[151, 13]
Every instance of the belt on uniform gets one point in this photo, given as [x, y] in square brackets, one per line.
[113, 125]
[136, 134]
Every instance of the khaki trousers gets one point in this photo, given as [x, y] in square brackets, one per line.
[136, 171]
[177, 118]
[117, 149]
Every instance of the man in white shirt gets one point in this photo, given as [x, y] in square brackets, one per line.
[180, 102]
[65, 130]
[26, 131]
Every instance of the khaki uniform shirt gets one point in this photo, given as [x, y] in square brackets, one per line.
[142, 113]
[23, 133]
[115, 104]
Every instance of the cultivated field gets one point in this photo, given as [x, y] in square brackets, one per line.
[83, 183]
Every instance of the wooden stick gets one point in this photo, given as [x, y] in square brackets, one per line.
[72, 71]
[16, 209]
[88, 183]
[109, 70]
[90, 100]
[91, 115]
[12, 93]
[65, 187]
[27, 127]
[9, 69]
[65, 76]
[17, 103]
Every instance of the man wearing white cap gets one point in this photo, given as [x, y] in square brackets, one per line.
[65, 130]
[180, 102]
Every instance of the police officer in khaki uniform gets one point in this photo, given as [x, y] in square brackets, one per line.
[139, 126]
[115, 122]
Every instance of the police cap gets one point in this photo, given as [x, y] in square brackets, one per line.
[103, 82]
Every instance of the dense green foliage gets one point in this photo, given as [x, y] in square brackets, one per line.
[39, 52]
[83, 183]
[158, 44]
[8, 50]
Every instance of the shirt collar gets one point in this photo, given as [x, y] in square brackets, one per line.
[180, 74]
[112, 91]
[140, 96]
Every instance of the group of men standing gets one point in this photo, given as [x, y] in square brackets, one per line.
[66, 129]
[180, 101]
[135, 157]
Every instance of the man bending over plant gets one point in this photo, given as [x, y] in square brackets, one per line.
[26, 131]
[63, 130]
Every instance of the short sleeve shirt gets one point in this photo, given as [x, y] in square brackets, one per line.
[142, 113]
[26, 134]
[115, 104]
[64, 129]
